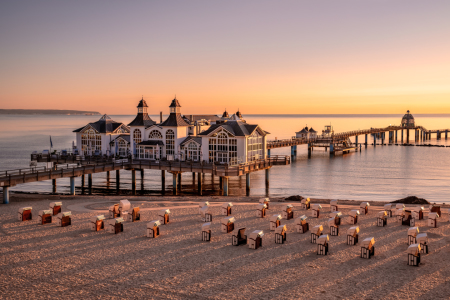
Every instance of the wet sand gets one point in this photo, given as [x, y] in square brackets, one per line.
[73, 262]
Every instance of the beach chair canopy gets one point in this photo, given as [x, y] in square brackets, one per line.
[433, 215]
[399, 206]
[305, 201]
[227, 220]
[335, 214]
[400, 211]
[261, 206]
[257, 233]
[163, 212]
[382, 214]
[413, 231]
[206, 226]
[202, 204]
[364, 204]
[204, 210]
[331, 222]
[353, 212]
[323, 239]
[240, 232]
[417, 208]
[119, 220]
[422, 238]
[22, 209]
[333, 202]
[225, 205]
[64, 214]
[280, 229]
[45, 212]
[124, 205]
[353, 231]
[152, 224]
[289, 206]
[388, 206]
[53, 204]
[264, 200]
[367, 242]
[274, 218]
[300, 220]
[316, 206]
[413, 249]
[317, 229]
[97, 218]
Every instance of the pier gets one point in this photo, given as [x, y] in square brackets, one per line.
[72, 166]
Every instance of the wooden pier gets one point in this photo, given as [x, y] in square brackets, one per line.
[72, 166]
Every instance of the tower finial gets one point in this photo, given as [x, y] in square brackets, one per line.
[142, 97]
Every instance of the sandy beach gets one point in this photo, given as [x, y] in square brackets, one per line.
[74, 262]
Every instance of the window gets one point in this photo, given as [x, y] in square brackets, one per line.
[137, 138]
[90, 141]
[212, 149]
[254, 147]
[170, 142]
[222, 147]
[122, 148]
[155, 135]
[193, 152]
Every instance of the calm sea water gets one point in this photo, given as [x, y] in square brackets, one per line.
[375, 173]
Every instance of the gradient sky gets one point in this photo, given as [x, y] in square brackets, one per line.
[317, 56]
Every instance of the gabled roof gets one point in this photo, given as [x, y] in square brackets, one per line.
[196, 139]
[312, 130]
[105, 125]
[174, 120]
[304, 130]
[125, 137]
[236, 128]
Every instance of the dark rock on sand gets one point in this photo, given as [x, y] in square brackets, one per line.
[411, 200]
[295, 198]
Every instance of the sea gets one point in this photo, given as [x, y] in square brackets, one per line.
[380, 173]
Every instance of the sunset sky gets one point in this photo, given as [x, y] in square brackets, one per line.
[284, 57]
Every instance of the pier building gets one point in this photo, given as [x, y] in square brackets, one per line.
[408, 120]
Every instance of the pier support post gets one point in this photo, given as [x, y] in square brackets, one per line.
[356, 141]
[374, 139]
[212, 180]
[292, 151]
[267, 178]
[72, 185]
[107, 177]
[82, 184]
[331, 149]
[193, 178]
[247, 184]
[268, 152]
[438, 135]
[407, 136]
[6, 195]
[142, 181]
[200, 183]
[382, 139]
[163, 182]
[220, 183]
[225, 186]
[179, 182]
[90, 184]
[396, 133]
[133, 182]
[365, 142]
[446, 134]
[54, 186]
[117, 182]
[309, 150]
[402, 136]
[175, 183]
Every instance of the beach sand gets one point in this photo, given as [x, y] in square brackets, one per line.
[73, 262]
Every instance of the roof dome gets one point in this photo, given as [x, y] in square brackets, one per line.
[175, 103]
[225, 114]
[238, 113]
[408, 119]
[142, 103]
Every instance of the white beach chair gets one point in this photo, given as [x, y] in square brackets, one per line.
[337, 215]
[422, 240]
[333, 205]
[124, 207]
[417, 212]
[412, 234]
[201, 205]
[367, 247]
[56, 207]
[153, 229]
[413, 255]
[315, 210]
[364, 208]
[97, 223]
[301, 225]
[163, 216]
[275, 221]
[206, 232]
[113, 211]
[261, 210]
[25, 213]
[228, 224]
[226, 209]
[45, 216]
[205, 214]
[382, 218]
[63, 219]
[334, 229]
[255, 239]
[265, 201]
[432, 219]
[280, 234]
[352, 235]
[316, 231]
[388, 208]
[322, 244]
[239, 237]
[306, 203]
[353, 216]
[288, 212]
[114, 225]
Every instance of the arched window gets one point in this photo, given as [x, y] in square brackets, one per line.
[193, 152]
[137, 137]
[90, 141]
[122, 148]
[155, 135]
[170, 142]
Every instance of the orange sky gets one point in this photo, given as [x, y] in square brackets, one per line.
[293, 57]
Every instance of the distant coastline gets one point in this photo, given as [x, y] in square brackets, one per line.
[47, 112]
